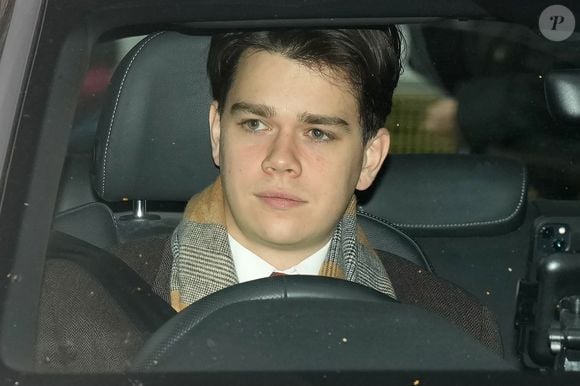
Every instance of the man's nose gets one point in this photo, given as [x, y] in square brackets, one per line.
[282, 156]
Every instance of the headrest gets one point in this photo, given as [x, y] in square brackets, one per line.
[153, 136]
[451, 194]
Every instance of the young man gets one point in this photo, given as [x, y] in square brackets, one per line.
[296, 127]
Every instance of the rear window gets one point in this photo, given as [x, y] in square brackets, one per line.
[478, 87]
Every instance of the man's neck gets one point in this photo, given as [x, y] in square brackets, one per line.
[249, 266]
[280, 257]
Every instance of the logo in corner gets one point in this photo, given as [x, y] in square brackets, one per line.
[557, 23]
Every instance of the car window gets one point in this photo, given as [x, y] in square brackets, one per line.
[484, 94]
[104, 59]
[435, 109]
[422, 119]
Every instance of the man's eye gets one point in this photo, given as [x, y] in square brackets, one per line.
[253, 125]
[319, 135]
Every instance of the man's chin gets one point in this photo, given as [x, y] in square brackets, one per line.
[288, 240]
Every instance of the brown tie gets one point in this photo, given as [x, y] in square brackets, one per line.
[275, 273]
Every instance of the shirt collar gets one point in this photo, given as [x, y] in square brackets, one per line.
[250, 266]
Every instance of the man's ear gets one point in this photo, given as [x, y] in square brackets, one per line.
[376, 151]
[215, 132]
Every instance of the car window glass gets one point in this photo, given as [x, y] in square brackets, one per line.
[478, 88]
[105, 58]
[467, 87]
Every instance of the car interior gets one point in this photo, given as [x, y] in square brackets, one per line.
[144, 152]
[478, 219]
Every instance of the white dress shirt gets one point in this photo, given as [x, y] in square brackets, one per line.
[250, 266]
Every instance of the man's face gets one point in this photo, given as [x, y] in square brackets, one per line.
[289, 147]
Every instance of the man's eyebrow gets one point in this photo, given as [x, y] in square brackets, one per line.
[309, 118]
[256, 109]
[317, 119]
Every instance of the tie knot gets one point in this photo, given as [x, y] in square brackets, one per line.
[275, 273]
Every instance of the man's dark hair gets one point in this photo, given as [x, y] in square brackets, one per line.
[370, 60]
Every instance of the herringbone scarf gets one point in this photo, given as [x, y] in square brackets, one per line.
[202, 259]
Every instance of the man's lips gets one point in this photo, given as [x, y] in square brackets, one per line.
[280, 200]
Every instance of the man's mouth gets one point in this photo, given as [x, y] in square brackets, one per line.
[280, 200]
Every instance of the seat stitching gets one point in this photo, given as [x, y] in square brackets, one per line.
[477, 223]
[113, 115]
